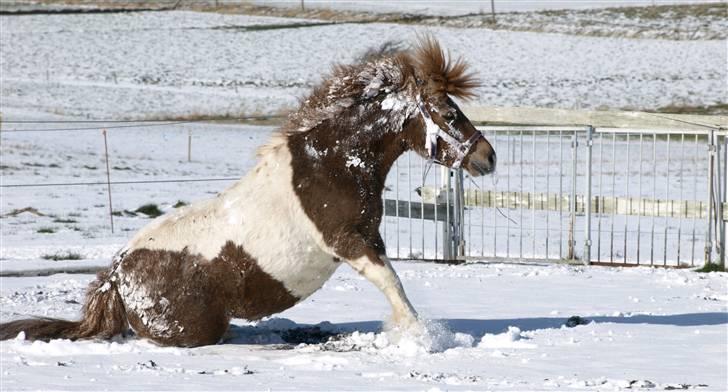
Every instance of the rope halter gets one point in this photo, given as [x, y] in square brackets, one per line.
[434, 132]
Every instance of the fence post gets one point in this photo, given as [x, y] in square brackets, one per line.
[720, 184]
[711, 198]
[572, 198]
[447, 224]
[459, 222]
[725, 199]
[588, 196]
[189, 145]
[108, 181]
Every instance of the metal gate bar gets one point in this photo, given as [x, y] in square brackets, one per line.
[650, 214]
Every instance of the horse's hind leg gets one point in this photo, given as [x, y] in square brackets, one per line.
[173, 298]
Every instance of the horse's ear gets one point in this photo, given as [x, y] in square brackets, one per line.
[444, 75]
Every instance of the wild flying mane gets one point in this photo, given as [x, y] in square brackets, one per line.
[312, 202]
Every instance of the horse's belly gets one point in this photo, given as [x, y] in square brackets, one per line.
[302, 270]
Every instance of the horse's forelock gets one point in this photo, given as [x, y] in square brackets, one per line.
[441, 73]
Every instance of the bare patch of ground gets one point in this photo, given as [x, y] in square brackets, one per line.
[673, 22]
[720, 109]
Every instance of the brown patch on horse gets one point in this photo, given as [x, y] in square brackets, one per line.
[256, 293]
[442, 74]
[104, 317]
[182, 299]
[345, 121]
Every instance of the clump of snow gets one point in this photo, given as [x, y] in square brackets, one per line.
[425, 338]
[512, 338]
[354, 161]
[394, 102]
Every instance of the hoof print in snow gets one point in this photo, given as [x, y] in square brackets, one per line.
[151, 365]
[573, 321]
[676, 387]
[641, 384]
[236, 371]
[447, 378]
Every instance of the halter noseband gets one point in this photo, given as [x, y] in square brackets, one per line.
[433, 132]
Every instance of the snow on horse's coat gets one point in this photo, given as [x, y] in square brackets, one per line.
[312, 201]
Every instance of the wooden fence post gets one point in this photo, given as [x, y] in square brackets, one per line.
[108, 180]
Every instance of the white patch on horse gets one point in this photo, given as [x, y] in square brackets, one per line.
[274, 230]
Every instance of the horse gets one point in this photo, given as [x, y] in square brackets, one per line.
[312, 202]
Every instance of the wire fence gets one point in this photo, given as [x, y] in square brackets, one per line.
[104, 126]
[541, 169]
[141, 123]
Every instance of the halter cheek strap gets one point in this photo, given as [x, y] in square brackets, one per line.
[433, 132]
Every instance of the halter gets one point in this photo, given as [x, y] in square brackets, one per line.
[433, 131]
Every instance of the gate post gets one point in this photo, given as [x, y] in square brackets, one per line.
[711, 198]
[720, 196]
[588, 197]
[572, 198]
[459, 221]
[722, 219]
[447, 224]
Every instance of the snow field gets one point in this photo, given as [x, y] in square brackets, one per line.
[171, 64]
[492, 326]
[490, 330]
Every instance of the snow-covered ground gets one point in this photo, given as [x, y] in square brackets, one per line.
[154, 65]
[493, 327]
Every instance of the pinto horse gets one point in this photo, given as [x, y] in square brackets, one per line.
[313, 201]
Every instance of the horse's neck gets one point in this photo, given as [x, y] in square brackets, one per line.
[366, 148]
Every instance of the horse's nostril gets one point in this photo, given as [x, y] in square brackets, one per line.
[492, 161]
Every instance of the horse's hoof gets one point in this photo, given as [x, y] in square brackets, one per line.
[404, 323]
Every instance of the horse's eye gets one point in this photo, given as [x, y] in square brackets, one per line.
[449, 116]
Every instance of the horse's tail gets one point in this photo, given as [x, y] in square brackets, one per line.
[104, 317]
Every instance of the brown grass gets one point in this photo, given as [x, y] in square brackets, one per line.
[720, 109]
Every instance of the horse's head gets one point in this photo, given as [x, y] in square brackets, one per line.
[441, 132]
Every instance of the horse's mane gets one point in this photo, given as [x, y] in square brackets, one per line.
[446, 76]
[388, 69]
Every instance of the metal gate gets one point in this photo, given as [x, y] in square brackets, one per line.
[655, 197]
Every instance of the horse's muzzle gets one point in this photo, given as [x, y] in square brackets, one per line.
[482, 160]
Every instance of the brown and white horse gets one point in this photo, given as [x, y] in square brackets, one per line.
[313, 201]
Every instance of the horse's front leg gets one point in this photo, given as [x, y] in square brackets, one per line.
[374, 265]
